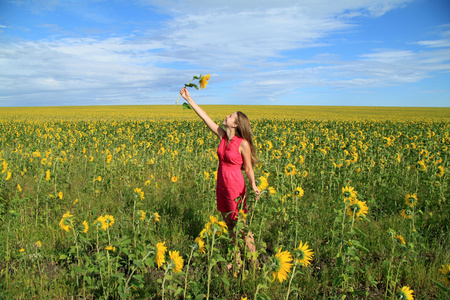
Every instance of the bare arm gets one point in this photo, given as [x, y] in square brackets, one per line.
[202, 114]
[246, 153]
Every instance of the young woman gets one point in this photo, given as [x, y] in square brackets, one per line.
[235, 151]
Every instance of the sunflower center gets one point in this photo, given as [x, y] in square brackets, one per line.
[300, 254]
[356, 208]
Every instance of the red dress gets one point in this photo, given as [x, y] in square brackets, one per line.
[230, 181]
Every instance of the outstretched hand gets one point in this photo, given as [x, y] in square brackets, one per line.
[184, 93]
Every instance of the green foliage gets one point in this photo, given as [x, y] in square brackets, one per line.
[95, 166]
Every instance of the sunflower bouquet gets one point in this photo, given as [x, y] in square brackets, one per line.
[202, 82]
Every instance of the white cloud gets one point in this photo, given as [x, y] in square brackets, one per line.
[240, 41]
[314, 8]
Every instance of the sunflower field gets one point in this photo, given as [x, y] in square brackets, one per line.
[118, 202]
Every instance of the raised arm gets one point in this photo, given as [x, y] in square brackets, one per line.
[202, 114]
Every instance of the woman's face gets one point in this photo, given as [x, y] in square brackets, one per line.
[230, 120]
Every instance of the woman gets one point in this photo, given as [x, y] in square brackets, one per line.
[235, 150]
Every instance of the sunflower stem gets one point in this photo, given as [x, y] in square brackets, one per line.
[210, 265]
[390, 267]
[187, 273]
[396, 277]
[99, 265]
[290, 282]
[353, 221]
[134, 269]
[176, 102]
[164, 281]
[133, 218]
[342, 229]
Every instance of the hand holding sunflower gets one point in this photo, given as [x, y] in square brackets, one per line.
[202, 81]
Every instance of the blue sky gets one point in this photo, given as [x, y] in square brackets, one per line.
[278, 52]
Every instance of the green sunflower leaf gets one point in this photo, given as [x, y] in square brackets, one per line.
[360, 232]
[440, 286]
[192, 85]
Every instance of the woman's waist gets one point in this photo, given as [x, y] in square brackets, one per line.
[229, 164]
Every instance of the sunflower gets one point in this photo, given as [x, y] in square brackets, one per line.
[290, 170]
[160, 254]
[38, 244]
[109, 220]
[303, 147]
[176, 262]
[66, 221]
[406, 214]
[204, 81]
[281, 265]
[405, 293]
[140, 193]
[110, 248]
[276, 154]
[420, 166]
[446, 273]
[387, 141]
[264, 183]
[359, 208]
[285, 197]
[298, 192]
[301, 160]
[203, 233]
[303, 254]
[242, 214]
[400, 239]
[156, 216]
[440, 171]
[47, 175]
[8, 175]
[85, 226]
[109, 159]
[349, 193]
[411, 200]
[101, 222]
[141, 214]
[60, 195]
[214, 226]
[174, 178]
[199, 245]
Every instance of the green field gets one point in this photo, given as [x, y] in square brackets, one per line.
[89, 194]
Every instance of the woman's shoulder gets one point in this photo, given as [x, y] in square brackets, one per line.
[243, 142]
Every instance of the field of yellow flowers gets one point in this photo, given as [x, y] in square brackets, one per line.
[119, 202]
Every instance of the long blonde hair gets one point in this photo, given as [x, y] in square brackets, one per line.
[244, 130]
